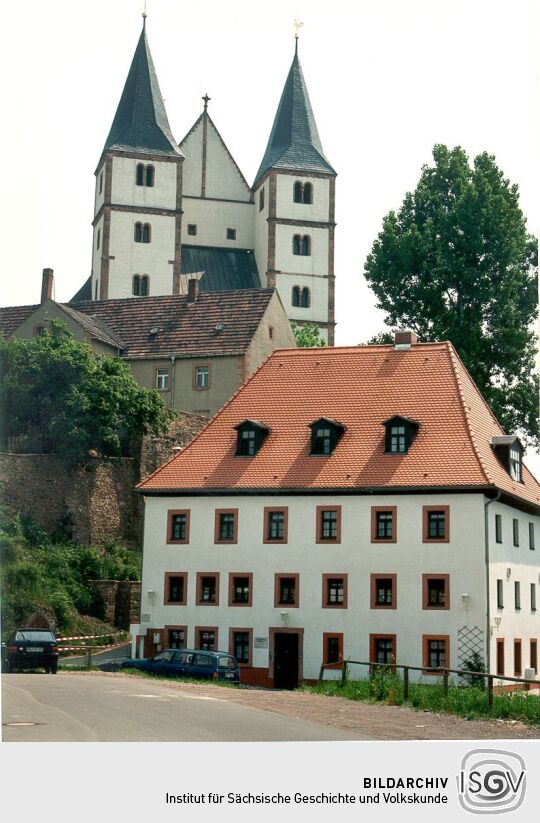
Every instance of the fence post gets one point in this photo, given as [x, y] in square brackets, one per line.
[89, 658]
[321, 673]
[490, 689]
[445, 683]
[405, 682]
[344, 673]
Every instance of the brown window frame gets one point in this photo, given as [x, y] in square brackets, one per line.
[194, 376]
[236, 630]
[533, 654]
[375, 510]
[425, 653]
[373, 590]
[170, 515]
[197, 631]
[378, 636]
[287, 575]
[425, 524]
[518, 646]
[331, 636]
[249, 601]
[266, 523]
[335, 576]
[198, 600]
[318, 525]
[162, 369]
[499, 657]
[166, 589]
[425, 592]
[217, 529]
[168, 629]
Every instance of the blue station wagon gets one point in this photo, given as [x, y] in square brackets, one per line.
[196, 663]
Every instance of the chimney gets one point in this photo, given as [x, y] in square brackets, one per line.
[193, 289]
[47, 284]
[403, 340]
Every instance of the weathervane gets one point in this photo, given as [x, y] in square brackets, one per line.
[206, 100]
[297, 25]
[144, 14]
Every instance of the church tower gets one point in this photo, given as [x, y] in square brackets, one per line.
[294, 194]
[138, 199]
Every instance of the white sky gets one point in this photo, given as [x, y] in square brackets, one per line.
[387, 80]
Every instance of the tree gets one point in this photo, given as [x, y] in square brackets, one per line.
[54, 387]
[307, 336]
[456, 263]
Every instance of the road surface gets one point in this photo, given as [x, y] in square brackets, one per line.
[76, 708]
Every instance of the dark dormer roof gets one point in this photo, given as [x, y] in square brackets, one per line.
[410, 421]
[294, 142]
[140, 123]
[335, 423]
[248, 423]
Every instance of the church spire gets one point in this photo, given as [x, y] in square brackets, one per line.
[294, 142]
[140, 123]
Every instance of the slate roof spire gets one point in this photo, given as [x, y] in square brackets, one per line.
[294, 142]
[140, 123]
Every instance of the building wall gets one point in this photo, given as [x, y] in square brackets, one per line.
[318, 210]
[462, 558]
[274, 332]
[260, 238]
[226, 376]
[129, 258]
[512, 564]
[51, 311]
[213, 218]
[125, 192]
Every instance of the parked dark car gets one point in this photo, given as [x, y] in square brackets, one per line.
[197, 663]
[31, 649]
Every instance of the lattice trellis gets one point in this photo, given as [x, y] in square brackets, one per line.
[470, 640]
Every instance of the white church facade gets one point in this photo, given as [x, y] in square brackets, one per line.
[165, 212]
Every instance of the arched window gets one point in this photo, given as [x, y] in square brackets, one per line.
[296, 295]
[305, 298]
[146, 233]
[150, 174]
[139, 177]
[297, 194]
[98, 241]
[138, 232]
[308, 193]
[306, 245]
[297, 244]
[145, 285]
[136, 288]
[96, 291]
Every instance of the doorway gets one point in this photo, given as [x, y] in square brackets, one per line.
[285, 660]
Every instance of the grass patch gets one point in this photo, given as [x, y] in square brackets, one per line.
[465, 701]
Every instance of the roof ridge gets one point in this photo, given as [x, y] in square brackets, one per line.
[453, 357]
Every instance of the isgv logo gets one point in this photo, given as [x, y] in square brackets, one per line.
[491, 781]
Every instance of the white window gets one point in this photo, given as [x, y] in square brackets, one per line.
[515, 464]
[202, 377]
[162, 379]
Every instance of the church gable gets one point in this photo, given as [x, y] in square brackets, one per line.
[209, 169]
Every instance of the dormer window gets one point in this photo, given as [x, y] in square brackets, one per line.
[325, 434]
[509, 450]
[400, 432]
[250, 437]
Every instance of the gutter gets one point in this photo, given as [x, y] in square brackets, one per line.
[173, 375]
[486, 557]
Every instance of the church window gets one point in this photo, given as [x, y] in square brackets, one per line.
[261, 200]
[139, 178]
[141, 285]
[305, 299]
[296, 295]
[150, 174]
[101, 182]
[306, 245]
[192, 229]
[144, 175]
[297, 244]
[98, 239]
[138, 232]
[136, 287]
[308, 193]
[146, 232]
[231, 234]
[96, 290]
[298, 192]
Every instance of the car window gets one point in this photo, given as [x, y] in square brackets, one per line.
[227, 663]
[182, 657]
[164, 657]
[202, 660]
[35, 636]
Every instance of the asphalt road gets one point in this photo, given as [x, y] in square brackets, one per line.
[76, 708]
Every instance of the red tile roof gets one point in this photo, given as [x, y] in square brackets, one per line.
[361, 387]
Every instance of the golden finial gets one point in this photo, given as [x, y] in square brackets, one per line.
[297, 25]
[144, 14]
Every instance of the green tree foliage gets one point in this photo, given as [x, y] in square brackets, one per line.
[456, 263]
[307, 336]
[38, 571]
[54, 385]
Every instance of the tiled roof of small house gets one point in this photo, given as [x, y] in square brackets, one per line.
[361, 387]
[11, 318]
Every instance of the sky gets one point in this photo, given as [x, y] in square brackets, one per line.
[387, 79]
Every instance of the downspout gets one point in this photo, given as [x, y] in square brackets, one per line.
[173, 370]
[486, 556]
